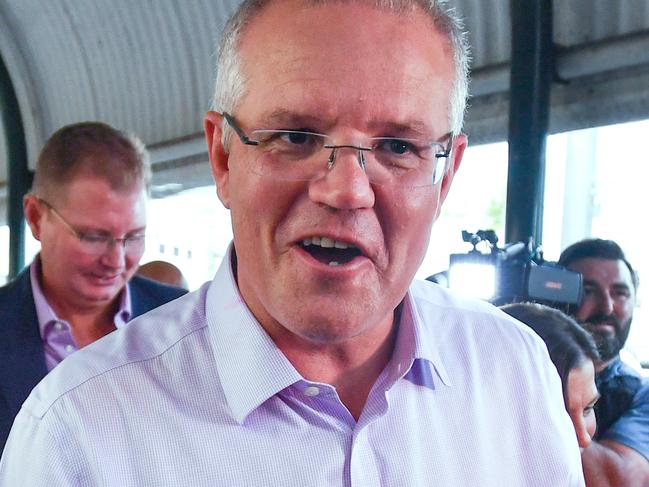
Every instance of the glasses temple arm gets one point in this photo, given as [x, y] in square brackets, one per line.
[244, 138]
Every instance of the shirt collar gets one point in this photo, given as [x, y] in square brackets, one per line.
[412, 347]
[251, 367]
[46, 314]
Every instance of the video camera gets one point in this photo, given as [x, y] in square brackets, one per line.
[513, 273]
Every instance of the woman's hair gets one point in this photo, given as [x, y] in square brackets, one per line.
[569, 345]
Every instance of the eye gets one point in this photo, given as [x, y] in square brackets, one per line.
[589, 290]
[292, 144]
[395, 146]
[297, 138]
[92, 238]
[135, 238]
[622, 293]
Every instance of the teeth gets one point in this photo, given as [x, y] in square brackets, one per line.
[327, 243]
[333, 263]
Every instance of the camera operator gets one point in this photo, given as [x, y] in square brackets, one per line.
[620, 455]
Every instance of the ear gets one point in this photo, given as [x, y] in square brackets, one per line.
[34, 212]
[459, 144]
[213, 124]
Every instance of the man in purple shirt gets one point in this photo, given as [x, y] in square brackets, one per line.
[87, 208]
[312, 358]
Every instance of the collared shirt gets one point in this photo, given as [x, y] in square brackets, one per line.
[623, 409]
[195, 393]
[58, 342]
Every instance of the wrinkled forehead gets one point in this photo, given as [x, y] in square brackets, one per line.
[348, 56]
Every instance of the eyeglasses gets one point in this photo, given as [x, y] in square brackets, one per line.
[297, 155]
[97, 243]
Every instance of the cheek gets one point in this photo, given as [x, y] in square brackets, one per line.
[132, 261]
[585, 310]
[410, 220]
[82, 261]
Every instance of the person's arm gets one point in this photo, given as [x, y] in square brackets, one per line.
[611, 464]
[33, 457]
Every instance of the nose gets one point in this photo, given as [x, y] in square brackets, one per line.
[606, 304]
[583, 437]
[115, 255]
[344, 185]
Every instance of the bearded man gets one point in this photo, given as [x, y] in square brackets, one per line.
[620, 454]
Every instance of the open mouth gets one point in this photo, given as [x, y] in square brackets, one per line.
[329, 251]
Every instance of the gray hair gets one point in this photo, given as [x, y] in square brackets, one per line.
[230, 81]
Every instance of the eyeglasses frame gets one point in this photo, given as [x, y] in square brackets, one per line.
[109, 239]
[330, 161]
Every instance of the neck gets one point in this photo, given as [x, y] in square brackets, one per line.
[600, 366]
[89, 328]
[87, 323]
[352, 367]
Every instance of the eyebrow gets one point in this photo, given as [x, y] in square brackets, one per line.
[617, 285]
[415, 129]
[102, 232]
[409, 128]
[281, 117]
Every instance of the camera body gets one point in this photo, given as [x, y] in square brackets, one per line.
[514, 273]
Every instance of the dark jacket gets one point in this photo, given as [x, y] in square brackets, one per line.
[22, 359]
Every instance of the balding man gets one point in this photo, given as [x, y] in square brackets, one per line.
[313, 358]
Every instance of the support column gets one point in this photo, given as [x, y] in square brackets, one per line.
[531, 77]
[19, 177]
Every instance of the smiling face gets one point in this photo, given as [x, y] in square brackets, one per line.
[581, 396]
[607, 307]
[317, 68]
[73, 280]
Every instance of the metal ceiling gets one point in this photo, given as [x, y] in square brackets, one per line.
[147, 66]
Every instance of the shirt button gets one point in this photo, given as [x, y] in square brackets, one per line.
[311, 391]
[69, 348]
[58, 326]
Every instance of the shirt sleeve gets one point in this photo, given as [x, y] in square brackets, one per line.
[632, 428]
[34, 456]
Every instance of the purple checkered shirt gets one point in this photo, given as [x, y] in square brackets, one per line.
[195, 393]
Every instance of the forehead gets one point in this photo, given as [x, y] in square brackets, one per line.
[604, 272]
[89, 191]
[581, 383]
[346, 61]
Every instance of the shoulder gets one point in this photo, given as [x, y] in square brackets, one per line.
[15, 291]
[146, 338]
[474, 338]
[440, 310]
[631, 429]
[147, 294]
[20, 284]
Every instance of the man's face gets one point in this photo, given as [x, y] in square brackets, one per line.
[609, 298]
[73, 278]
[348, 71]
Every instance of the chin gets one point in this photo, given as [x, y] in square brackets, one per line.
[101, 294]
[326, 330]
